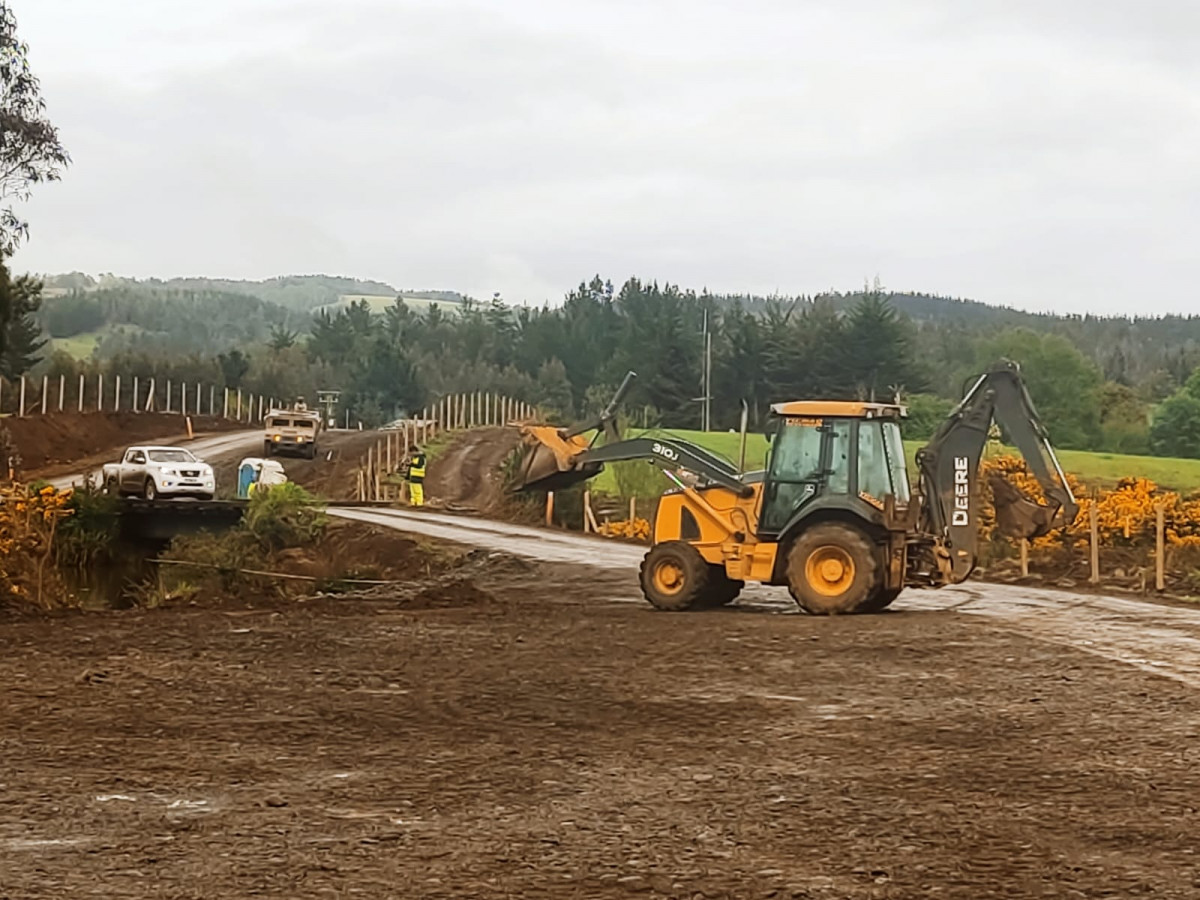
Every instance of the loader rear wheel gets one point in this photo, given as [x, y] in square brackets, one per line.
[833, 569]
[674, 576]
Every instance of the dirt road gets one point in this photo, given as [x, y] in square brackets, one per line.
[208, 448]
[1158, 637]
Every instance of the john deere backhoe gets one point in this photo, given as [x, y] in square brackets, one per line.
[832, 516]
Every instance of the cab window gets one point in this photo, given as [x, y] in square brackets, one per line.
[897, 462]
[874, 473]
[839, 458]
[796, 455]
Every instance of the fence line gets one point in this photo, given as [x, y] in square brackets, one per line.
[451, 412]
[29, 397]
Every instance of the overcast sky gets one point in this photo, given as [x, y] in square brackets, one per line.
[1035, 153]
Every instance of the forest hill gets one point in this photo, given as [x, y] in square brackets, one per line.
[1098, 383]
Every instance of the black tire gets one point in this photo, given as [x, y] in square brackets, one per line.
[674, 576]
[882, 600]
[149, 491]
[833, 569]
[722, 590]
[267, 448]
[110, 487]
[312, 451]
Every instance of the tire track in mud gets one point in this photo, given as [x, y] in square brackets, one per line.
[1154, 637]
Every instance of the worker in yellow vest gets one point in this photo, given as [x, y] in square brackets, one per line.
[416, 477]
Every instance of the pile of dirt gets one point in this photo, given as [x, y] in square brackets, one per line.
[352, 550]
[44, 442]
[469, 474]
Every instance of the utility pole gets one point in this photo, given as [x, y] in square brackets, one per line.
[706, 378]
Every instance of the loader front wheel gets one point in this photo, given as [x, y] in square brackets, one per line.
[674, 576]
[881, 600]
[833, 569]
[722, 590]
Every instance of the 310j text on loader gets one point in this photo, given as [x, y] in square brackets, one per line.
[832, 516]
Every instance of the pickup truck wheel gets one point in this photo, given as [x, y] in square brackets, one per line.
[110, 487]
[149, 491]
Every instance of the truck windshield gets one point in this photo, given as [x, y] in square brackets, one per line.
[171, 456]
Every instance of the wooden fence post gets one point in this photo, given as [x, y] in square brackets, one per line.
[1024, 557]
[168, 395]
[81, 393]
[62, 388]
[1094, 530]
[212, 399]
[550, 507]
[21, 411]
[45, 392]
[136, 394]
[632, 509]
[225, 404]
[183, 398]
[197, 398]
[587, 499]
[1160, 562]
[238, 415]
[117, 394]
[150, 395]
[100, 392]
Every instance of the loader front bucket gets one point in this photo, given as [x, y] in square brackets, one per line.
[550, 461]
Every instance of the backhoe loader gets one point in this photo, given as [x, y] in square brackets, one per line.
[832, 516]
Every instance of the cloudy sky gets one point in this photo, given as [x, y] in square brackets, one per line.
[1037, 154]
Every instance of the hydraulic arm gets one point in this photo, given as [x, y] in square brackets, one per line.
[949, 469]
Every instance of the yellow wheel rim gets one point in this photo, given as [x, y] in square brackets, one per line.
[829, 571]
[668, 578]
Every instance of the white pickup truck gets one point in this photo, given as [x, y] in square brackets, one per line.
[159, 472]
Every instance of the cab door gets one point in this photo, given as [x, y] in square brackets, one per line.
[133, 470]
[795, 471]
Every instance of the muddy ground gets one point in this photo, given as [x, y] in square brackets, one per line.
[529, 739]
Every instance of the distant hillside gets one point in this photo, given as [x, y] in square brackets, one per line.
[302, 293]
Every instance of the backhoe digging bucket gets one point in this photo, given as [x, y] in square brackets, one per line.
[1016, 515]
[550, 460]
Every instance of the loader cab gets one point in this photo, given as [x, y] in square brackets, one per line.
[831, 455]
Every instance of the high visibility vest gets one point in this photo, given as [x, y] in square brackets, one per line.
[416, 467]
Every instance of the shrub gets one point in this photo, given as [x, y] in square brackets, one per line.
[285, 516]
[87, 535]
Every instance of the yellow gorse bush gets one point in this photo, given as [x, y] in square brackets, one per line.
[1125, 515]
[634, 529]
[28, 523]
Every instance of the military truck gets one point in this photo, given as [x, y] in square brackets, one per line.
[291, 431]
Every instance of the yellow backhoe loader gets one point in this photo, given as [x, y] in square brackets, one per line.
[832, 516]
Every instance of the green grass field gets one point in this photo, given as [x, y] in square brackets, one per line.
[1102, 470]
[79, 346]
